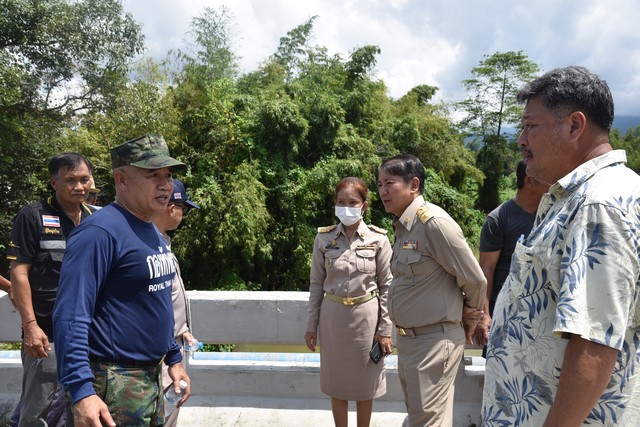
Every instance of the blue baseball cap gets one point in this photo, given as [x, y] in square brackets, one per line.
[179, 194]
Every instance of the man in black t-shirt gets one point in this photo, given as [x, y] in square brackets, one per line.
[501, 230]
[36, 248]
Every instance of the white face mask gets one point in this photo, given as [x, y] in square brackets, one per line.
[348, 216]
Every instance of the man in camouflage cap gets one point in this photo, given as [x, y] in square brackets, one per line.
[115, 319]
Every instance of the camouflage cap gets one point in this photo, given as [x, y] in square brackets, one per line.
[147, 152]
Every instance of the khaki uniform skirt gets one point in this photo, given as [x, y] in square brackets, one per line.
[345, 336]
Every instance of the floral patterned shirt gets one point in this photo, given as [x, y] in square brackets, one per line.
[576, 273]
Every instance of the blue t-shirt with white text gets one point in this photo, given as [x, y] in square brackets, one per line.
[114, 297]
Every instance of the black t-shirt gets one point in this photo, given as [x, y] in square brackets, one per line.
[38, 238]
[500, 232]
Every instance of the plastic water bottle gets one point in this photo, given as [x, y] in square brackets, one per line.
[195, 345]
[171, 397]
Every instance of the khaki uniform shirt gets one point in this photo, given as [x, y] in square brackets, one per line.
[432, 266]
[350, 269]
[179, 300]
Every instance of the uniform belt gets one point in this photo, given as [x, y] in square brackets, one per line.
[423, 330]
[352, 300]
[127, 363]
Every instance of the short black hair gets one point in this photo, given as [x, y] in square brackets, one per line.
[405, 166]
[69, 161]
[573, 88]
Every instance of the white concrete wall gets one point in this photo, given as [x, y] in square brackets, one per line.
[258, 393]
[220, 317]
[9, 320]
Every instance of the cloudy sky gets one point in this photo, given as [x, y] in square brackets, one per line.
[435, 42]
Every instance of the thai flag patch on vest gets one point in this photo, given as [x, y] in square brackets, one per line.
[50, 221]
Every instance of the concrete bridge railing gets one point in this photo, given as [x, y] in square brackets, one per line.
[257, 389]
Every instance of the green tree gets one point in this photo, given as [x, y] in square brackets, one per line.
[55, 42]
[423, 129]
[293, 47]
[205, 92]
[365, 101]
[489, 107]
[235, 207]
[266, 148]
[361, 63]
[209, 52]
[630, 142]
[57, 57]
[145, 104]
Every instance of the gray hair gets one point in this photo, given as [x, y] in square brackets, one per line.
[573, 88]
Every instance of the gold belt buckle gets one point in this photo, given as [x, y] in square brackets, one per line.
[406, 332]
[348, 301]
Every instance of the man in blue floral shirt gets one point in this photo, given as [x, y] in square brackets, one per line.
[564, 346]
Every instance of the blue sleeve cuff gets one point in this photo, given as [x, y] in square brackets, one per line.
[174, 355]
[82, 390]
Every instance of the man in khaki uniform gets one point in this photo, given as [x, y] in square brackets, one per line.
[435, 277]
[169, 220]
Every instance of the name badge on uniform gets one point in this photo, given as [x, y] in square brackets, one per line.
[371, 246]
[50, 221]
[410, 244]
[332, 245]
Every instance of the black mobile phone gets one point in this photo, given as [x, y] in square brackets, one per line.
[376, 352]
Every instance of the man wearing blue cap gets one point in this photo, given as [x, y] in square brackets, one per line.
[168, 220]
[113, 316]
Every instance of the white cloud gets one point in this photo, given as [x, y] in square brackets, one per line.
[435, 42]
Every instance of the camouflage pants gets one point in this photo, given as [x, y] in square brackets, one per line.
[133, 395]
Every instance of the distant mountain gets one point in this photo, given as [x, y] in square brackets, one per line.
[622, 123]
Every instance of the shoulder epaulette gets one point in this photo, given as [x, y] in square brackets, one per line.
[326, 229]
[424, 214]
[377, 229]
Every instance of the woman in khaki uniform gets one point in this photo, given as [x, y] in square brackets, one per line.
[350, 276]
